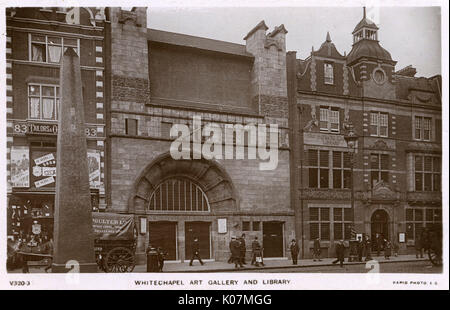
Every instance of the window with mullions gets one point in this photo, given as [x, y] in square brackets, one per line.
[329, 119]
[178, 194]
[341, 170]
[379, 165]
[419, 218]
[378, 124]
[342, 223]
[319, 223]
[43, 101]
[319, 168]
[48, 49]
[422, 128]
[427, 173]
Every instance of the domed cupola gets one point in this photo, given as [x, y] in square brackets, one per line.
[366, 44]
[371, 64]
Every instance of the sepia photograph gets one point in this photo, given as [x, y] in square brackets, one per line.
[209, 145]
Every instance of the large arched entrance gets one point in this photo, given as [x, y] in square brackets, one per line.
[181, 200]
[379, 224]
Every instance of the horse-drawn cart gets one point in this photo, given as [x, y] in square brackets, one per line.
[114, 245]
[115, 241]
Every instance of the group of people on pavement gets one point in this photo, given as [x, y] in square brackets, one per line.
[238, 250]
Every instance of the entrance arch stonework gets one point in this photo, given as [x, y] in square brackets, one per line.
[212, 178]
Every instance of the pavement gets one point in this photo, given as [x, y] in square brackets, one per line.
[213, 266]
[270, 264]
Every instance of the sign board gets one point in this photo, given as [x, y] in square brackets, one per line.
[21, 128]
[401, 237]
[94, 168]
[222, 226]
[111, 226]
[20, 166]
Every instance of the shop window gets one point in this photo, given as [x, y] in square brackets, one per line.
[328, 73]
[256, 226]
[329, 119]
[379, 124]
[245, 226]
[427, 173]
[131, 126]
[379, 165]
[178, 194]
[43, 101]
[422, 128]
[319, 223]
[49, 49]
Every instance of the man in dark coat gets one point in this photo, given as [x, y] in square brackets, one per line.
[236, 252]
[316, 250]
[418, 244]
[379, 243]
[367, 248]
[360, 248]
[340, 253]
[243, 249]
[294, 251]
[196, 252]
[256, 253]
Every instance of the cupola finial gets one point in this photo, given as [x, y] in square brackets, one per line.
[364, 12]
[328, 37]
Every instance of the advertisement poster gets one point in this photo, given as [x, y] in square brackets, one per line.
[43, 169]
[94, 168]
[20, 166]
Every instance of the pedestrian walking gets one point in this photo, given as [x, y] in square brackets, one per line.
[242, 249]
[294, 251]
[257, 257]
[387, 249]
[316, 250]
[236, 252]
[161, 257]
[418, 245]
[196, 252]
[48, 248]
[230, 260]
[395, 248]
[360, 248]
[378, 243]
[368, 249]
[340, 248]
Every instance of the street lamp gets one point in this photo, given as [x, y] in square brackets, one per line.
[351, 138]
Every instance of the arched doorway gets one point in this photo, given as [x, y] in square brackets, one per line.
[181, 200]
[379, 224]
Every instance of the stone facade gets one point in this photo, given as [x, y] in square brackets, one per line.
[251, 201]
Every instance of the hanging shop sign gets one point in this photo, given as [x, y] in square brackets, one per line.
[21, 128]
[20, 166]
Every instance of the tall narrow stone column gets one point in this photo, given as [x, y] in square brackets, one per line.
[73, 238]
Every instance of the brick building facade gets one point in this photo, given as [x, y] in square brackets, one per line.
[35, 40]
[159, 79]
[397, 159]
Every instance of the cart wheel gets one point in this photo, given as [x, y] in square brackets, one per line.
[120, 260]
[435, 258]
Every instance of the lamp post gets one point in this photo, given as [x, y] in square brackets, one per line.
[351, 138]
